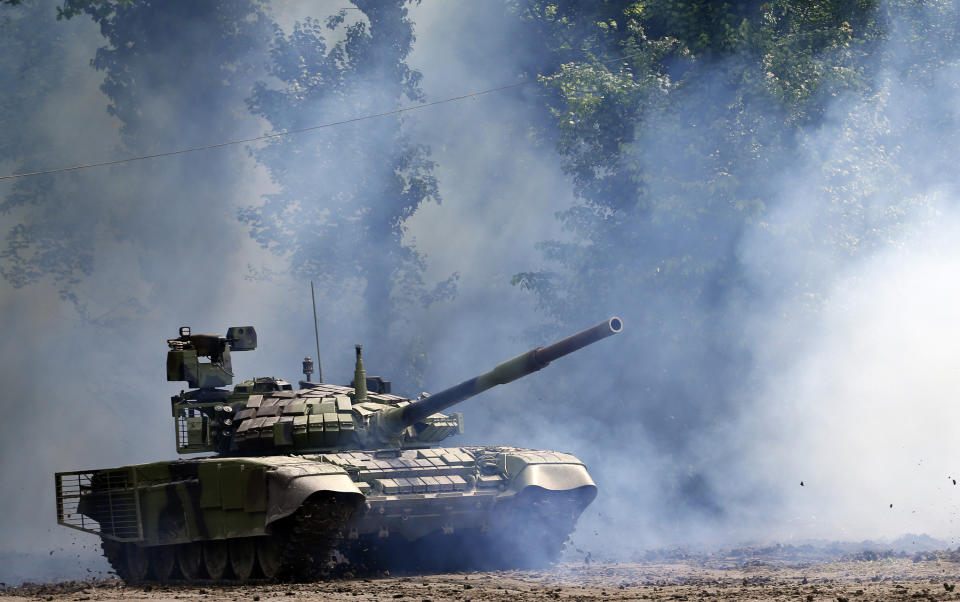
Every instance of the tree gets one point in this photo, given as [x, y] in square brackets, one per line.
[676, 122]
[38, 241]
[176, 75]
[346, 192]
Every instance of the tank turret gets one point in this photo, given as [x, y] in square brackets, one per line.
[265, 414]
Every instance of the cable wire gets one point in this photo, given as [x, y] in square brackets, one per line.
[194, 149]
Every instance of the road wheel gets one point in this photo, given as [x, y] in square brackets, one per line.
[114, 553]
[536, 530]
[163, 560]
[315, 531]
[138, 563]
[243, 556]
[190, 560]
[270, 555]
[215, 558]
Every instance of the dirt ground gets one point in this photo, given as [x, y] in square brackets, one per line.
[858, 578]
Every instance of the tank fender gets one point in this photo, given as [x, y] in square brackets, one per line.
[289, 485]
[553, 471]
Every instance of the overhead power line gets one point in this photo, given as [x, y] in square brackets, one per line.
[194, 149]
[204, 147]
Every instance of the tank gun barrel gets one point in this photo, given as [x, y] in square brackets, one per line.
[396, 419]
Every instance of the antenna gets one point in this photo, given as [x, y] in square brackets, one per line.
[316, 332]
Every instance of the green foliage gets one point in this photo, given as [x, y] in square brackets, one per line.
[696, 134]
[44, 218]
[722, 91]
[73, 8]
[100, 9]
[164, 97]
[686, 127]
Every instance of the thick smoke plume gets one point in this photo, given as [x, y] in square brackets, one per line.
[846, 339]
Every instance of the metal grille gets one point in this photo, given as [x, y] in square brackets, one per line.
[104, 502]
[183, 441]
[192, 429]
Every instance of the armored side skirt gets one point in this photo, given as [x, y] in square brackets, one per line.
[406, 493]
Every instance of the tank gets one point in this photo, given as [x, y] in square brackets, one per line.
[298, 484]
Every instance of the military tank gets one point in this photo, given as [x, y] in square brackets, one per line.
[295, 484]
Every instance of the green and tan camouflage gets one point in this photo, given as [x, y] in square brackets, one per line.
[295, 482]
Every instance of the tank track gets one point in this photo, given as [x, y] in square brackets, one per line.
[306, 543]
[310, 545]
[535, 534]
[314, 534]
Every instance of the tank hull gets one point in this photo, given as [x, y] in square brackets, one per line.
[298, 516]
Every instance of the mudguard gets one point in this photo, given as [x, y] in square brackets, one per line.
[553, 471]
[291, 483]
